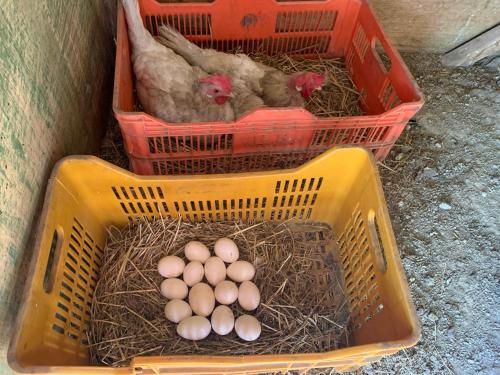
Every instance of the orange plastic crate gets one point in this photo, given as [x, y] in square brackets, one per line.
[269, 138]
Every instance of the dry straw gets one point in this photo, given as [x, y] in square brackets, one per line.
[303, 307]
[338, 97]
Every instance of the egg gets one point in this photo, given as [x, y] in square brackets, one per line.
[247, 328]
[215, 270]
[194, 328]
[227, 250]
[240, 271]
[222, 320]
[170, 266]
[202, 299]
[196, 251]
[174, 288]
[193, 273]
[177, 310]
[248, 296]
[226, 292]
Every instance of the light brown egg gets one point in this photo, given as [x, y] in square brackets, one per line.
[194, 328]
[170, 266]
[177, 310]
[240, 271]
[196, 251]
[174, 288]
[222, 320]
[248, 296]
[227, 250]
[247, 328]
[226, 292]
[215, 270]
[193, 273]
[202, 299]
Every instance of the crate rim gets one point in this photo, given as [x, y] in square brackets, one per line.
[248, 116]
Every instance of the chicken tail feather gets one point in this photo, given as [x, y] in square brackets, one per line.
[174, 40]
[138, 34]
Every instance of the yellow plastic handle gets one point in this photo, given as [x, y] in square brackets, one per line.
[54, 254]
[377, 240]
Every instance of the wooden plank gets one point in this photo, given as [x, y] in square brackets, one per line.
[435, 25]
[474, 50]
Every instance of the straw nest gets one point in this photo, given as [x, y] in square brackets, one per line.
[338, 97]
[303, 306]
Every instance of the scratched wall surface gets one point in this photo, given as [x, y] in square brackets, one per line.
[56, 63]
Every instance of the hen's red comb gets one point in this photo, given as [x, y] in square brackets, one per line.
[316, 79]
[221, 80]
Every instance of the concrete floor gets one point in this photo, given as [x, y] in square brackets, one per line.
[443, 191]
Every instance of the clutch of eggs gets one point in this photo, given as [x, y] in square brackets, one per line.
[202, 296]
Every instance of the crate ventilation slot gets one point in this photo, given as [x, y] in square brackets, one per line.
[190, 143]
[358, 265]
[271, 46]
[186, 24]
[388, 96]
[233, 163]
[360, 43]
[287, 22]
[382, 56]
[197, 27]
[349, 61]
[300, 44]
[81, 259]
[295, 198]
[323, 139]
[292, 198]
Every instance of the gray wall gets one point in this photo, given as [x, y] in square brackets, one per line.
[56, 64]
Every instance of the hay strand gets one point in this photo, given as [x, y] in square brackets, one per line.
[303, 307]
[338, 97]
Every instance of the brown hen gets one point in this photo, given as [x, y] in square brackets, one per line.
[167, 86]
[276, 88]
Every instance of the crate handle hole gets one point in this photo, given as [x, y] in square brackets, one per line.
[54, 254]
[382, 57]
[374, 230]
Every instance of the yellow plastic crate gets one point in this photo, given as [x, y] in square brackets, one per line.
[86, 195]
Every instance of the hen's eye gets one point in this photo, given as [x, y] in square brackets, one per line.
[216, 90]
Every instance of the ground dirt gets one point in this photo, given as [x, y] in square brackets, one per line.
[442, 187]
